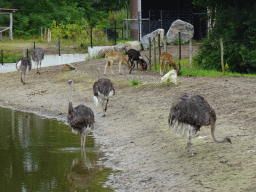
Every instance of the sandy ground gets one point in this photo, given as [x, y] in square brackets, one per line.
[135, 134]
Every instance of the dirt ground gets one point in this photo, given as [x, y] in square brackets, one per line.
[135, 133]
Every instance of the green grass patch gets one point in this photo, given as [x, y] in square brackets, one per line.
[136, 82]
[186, 70]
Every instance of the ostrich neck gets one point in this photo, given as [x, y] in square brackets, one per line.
[71, 92]
[213, 135]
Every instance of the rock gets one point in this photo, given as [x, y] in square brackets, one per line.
[68, 67]
[120, 47]
[171, 76]
[186, 29]
[155, 33]
[133, 45]
[105, 50]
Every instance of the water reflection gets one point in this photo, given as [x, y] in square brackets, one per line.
[44, 155]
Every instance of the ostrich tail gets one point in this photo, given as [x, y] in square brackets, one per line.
[225, 139]
[96, 101]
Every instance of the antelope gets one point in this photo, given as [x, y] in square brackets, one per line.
[112, 56]
[167, 58]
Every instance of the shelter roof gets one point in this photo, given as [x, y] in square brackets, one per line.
[8, 10]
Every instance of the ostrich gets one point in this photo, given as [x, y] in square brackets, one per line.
[23, 64]
[37, 56]
[187, 116]
[80, 118]
[103, 89]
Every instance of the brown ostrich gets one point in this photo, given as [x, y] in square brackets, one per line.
[80, 118]
[103, 89]
[189, 114]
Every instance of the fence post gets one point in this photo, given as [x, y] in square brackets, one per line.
[115, 32]
[45, 31]
[49, 37]
[59, 48]
[222, 58]
[179, 51]
[165, 44]
[91, 37]
[159, 49]
[2, 57]
[154, 51]
[190, 52]
[42, 36]
[149, 43]
[127, 36]
[34, 45]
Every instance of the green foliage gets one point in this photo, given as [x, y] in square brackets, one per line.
[236, 25]
[135, 82]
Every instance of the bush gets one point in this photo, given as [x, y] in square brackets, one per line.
[237, 29]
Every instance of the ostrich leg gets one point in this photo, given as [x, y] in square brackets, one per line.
[189, 147]
[104, 112]
[106, 105]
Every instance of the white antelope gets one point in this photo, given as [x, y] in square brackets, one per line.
[112, 56]
[167, 58]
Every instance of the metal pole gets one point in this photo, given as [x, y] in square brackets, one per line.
[154, 51]
[59, 48]
[149, 42]
[2, 57]
[190, 52]
[34, 45]
[179, 51]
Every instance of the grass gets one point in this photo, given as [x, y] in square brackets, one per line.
[195, 71]
[136, 82]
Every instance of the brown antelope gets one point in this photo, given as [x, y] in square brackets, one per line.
[167, 58]
[112, 56]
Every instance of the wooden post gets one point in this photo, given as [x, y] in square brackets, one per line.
[179, 51]
[154, 51]
[2, 57]
[11, 23]
[165, 44]
[49, 37]
[42, 35]
[159, 49]
[222, 58]
[45, 30]
[115, 32]
[91, 37]
[149, 43]
[190, 52]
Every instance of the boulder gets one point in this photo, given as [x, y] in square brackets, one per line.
[186, 31]
[68, 67]
[155, 33]
[104, 50]
[120, 47]
[170, 77]
[133, 45]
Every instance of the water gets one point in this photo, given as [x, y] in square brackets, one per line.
[39, 154]
[49, 60]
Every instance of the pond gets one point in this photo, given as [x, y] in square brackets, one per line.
[39, 154]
